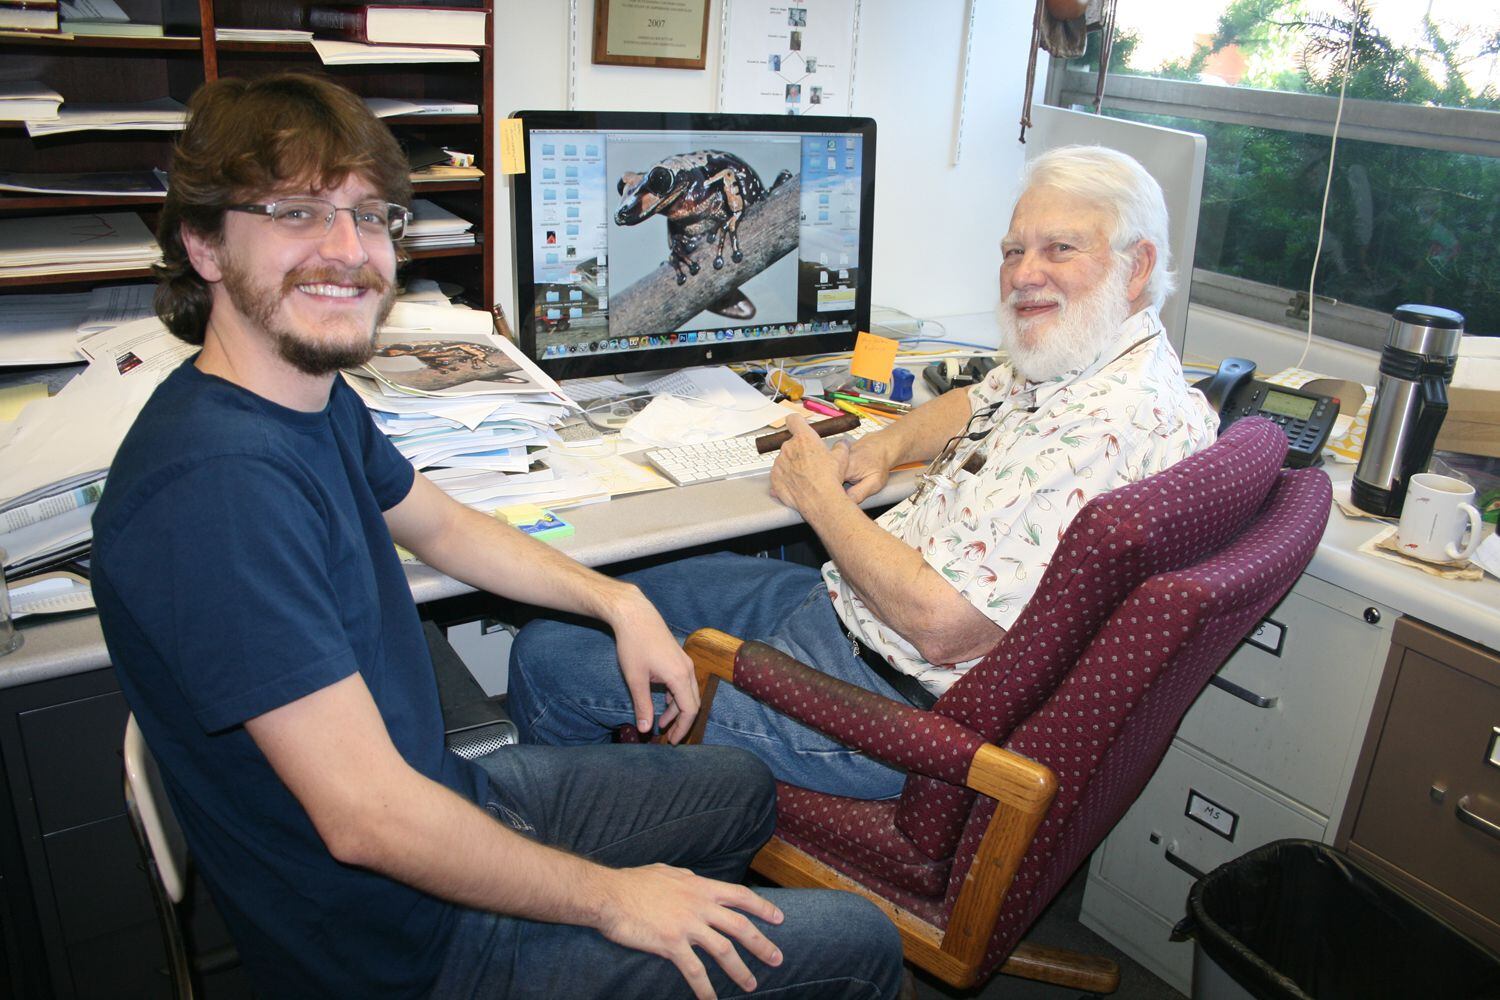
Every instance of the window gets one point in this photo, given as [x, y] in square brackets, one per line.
[1414, 208]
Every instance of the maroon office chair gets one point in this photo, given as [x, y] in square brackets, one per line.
[1024, 765]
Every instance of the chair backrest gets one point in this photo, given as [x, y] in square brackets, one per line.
[1106, 727]
[1117, 541]
[146, 798]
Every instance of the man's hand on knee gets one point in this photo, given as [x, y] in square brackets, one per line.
[670, 911]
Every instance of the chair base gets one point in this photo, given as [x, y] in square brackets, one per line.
[923, 943]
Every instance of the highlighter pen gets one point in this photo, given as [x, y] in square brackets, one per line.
[823, 428]
[819, 407]
[858, 411]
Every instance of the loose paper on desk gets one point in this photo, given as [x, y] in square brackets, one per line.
[78, 431]
[700, 404]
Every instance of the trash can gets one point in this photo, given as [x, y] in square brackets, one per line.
[1298, 920]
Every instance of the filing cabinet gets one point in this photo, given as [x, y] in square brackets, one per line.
[1425, 807]
[1267, 751]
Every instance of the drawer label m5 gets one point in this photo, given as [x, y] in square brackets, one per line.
[1204, 810]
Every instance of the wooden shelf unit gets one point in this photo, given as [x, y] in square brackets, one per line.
[91, 69]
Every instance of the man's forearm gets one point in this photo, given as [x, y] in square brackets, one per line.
[921, 434]
[488, 554]
[898, 586]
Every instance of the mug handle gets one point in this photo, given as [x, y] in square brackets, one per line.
[1476, 533]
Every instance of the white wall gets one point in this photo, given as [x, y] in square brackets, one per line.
[937, 227]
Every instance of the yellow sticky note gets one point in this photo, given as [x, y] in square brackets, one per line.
[512, 146]
[874, 358]
[14, 399]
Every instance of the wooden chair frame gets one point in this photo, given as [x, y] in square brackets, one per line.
[1024, 791]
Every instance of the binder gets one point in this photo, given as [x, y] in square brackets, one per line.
[392, 24]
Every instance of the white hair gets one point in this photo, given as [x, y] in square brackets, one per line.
[1120, 186]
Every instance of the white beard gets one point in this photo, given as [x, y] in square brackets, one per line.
[1080, 330]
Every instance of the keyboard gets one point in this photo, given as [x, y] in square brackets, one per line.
[710, 461]
[732, 458]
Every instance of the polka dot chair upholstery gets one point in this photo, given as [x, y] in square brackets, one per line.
[1151, 589]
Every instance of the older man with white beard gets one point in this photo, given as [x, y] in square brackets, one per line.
[1093, 397]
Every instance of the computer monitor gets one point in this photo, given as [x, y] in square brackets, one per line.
[646, 241]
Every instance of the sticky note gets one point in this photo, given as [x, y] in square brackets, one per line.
[512, 146]
[874, 357]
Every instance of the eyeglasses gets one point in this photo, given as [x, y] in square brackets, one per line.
[933, 477]
[311, 218]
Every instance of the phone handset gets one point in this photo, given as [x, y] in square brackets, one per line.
[1221, 386]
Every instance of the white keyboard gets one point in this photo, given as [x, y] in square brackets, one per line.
[732, 458]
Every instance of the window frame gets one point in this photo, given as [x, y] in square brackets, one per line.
[1453, 130]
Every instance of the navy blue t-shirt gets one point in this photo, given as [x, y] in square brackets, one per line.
[241, 561]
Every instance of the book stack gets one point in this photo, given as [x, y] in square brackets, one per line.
[28, 15]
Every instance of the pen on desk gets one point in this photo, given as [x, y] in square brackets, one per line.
[885, 404]
[863, 403]
[819, 407]
[823, 428]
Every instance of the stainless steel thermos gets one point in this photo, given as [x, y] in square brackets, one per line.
[1411, 401]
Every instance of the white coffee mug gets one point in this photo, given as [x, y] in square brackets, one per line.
[1438, 511]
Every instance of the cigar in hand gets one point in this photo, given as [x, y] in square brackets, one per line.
[822, 428]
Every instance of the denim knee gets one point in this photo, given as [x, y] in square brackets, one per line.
[749, 772]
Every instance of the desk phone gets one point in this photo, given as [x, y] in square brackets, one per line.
[1306, 418]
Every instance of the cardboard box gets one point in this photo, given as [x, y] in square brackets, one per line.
[1473, 422]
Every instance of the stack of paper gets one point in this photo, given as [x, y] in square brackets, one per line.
[104, 17]
[45, 329]
[348, 53]
[113, 183]
[58, 450]
[262, 35]
[28, 100]
[164, 114]
[390, 107]
[69, 244]
[465, 406]
[433, 226]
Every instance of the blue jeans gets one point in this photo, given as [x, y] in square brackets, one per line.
[565, 685]
[704, 808]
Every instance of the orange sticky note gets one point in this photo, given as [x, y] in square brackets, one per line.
[874, 358]
[512, 146]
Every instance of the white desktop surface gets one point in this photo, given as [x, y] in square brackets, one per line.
[666, 520]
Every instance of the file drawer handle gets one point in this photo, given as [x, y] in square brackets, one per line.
[1478, 822]
[1244, 694]
[1177, 862]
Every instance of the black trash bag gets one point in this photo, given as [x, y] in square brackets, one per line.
[1298, 920]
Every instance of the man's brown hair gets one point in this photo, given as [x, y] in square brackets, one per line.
[247, 139]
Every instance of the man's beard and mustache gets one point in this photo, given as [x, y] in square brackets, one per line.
[1075, 335]
[333, 349]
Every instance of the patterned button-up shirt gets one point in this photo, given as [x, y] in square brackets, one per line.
[1050, 448]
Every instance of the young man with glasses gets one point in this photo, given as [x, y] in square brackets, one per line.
[1092, 398]
[265, 637]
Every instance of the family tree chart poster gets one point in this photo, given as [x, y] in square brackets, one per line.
[795, 59]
